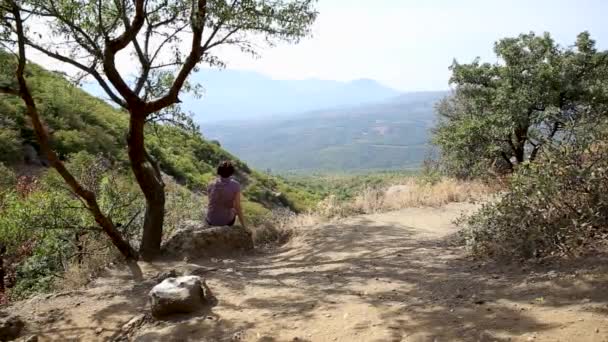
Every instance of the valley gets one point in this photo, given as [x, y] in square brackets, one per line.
[393, 134]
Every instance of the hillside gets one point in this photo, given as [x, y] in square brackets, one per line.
[246, 95]
[79, 122]
[389, 135]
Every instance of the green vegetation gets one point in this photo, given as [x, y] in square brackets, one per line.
[558, 205]
[392, 135]
[346, 186]
[46, 229]
[539, 116]
[149, 29]
[501, 115]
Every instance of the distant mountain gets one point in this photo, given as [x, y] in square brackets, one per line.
[246, 95]
[239, 95]
[386, 135]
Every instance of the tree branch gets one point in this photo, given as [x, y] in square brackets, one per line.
[88, 70]
[113, 46]
[196, 52]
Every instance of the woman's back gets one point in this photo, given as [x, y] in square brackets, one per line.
[222, 193]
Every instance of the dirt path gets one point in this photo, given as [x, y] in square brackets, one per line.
[384, 277]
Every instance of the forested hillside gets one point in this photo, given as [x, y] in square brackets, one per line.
[80, 123]
[389, 135]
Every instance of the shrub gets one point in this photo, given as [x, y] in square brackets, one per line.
[10, 145]
[7, 178]
[556, 206]
[280, 225]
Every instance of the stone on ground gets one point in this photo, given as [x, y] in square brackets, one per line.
[195, 240]
[178, 295]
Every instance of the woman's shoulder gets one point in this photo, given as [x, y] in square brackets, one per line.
[235, 182]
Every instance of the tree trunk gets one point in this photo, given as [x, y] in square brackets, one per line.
[149, 178]
[2, 287]
[43, 139]
[521, 138]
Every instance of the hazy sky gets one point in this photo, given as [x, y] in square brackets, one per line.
[409, 44]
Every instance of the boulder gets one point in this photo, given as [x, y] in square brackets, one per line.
[178, 295]
[194, 240]
[10, 327]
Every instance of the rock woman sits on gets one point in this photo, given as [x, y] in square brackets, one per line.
[224, 198]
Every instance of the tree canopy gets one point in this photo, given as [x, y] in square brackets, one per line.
[501, 115]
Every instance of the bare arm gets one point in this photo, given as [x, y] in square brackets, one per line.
[239, 209]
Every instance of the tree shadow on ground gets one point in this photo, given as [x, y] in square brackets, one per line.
[425, 287]
[417, 287]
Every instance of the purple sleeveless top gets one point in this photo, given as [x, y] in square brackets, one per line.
[222, 193]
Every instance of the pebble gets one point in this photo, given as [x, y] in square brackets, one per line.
[98, 331]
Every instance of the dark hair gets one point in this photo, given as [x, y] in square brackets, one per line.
[225, 169]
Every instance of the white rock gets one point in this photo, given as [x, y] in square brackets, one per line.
[177, 295]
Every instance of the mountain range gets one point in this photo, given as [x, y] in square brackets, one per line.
[229, 94]
[246, 95]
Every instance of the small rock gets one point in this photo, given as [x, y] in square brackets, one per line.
[178, 295]
[237, 336]
[597, 330]
[133, 323]
[479, 302]
[98, 331]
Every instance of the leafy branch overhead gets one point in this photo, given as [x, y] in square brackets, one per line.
[165, 38]
[165, 41]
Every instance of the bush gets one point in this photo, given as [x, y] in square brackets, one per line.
[48, 232]
[7, 178]
[10, 145]
[556, 206]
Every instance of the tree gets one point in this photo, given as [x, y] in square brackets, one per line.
[501, 115]
[12, 25]
[89, 35]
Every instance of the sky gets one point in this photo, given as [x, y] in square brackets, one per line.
[409, 45]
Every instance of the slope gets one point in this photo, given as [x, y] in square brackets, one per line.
[79, 122]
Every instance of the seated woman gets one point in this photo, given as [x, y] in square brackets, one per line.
[224, 198]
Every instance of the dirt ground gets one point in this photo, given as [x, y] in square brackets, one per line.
[382, 277]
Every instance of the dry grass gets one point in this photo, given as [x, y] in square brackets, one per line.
[281, 225]
[97, 255]
[416, 194]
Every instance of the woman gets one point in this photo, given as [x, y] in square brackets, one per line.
[224, 198]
